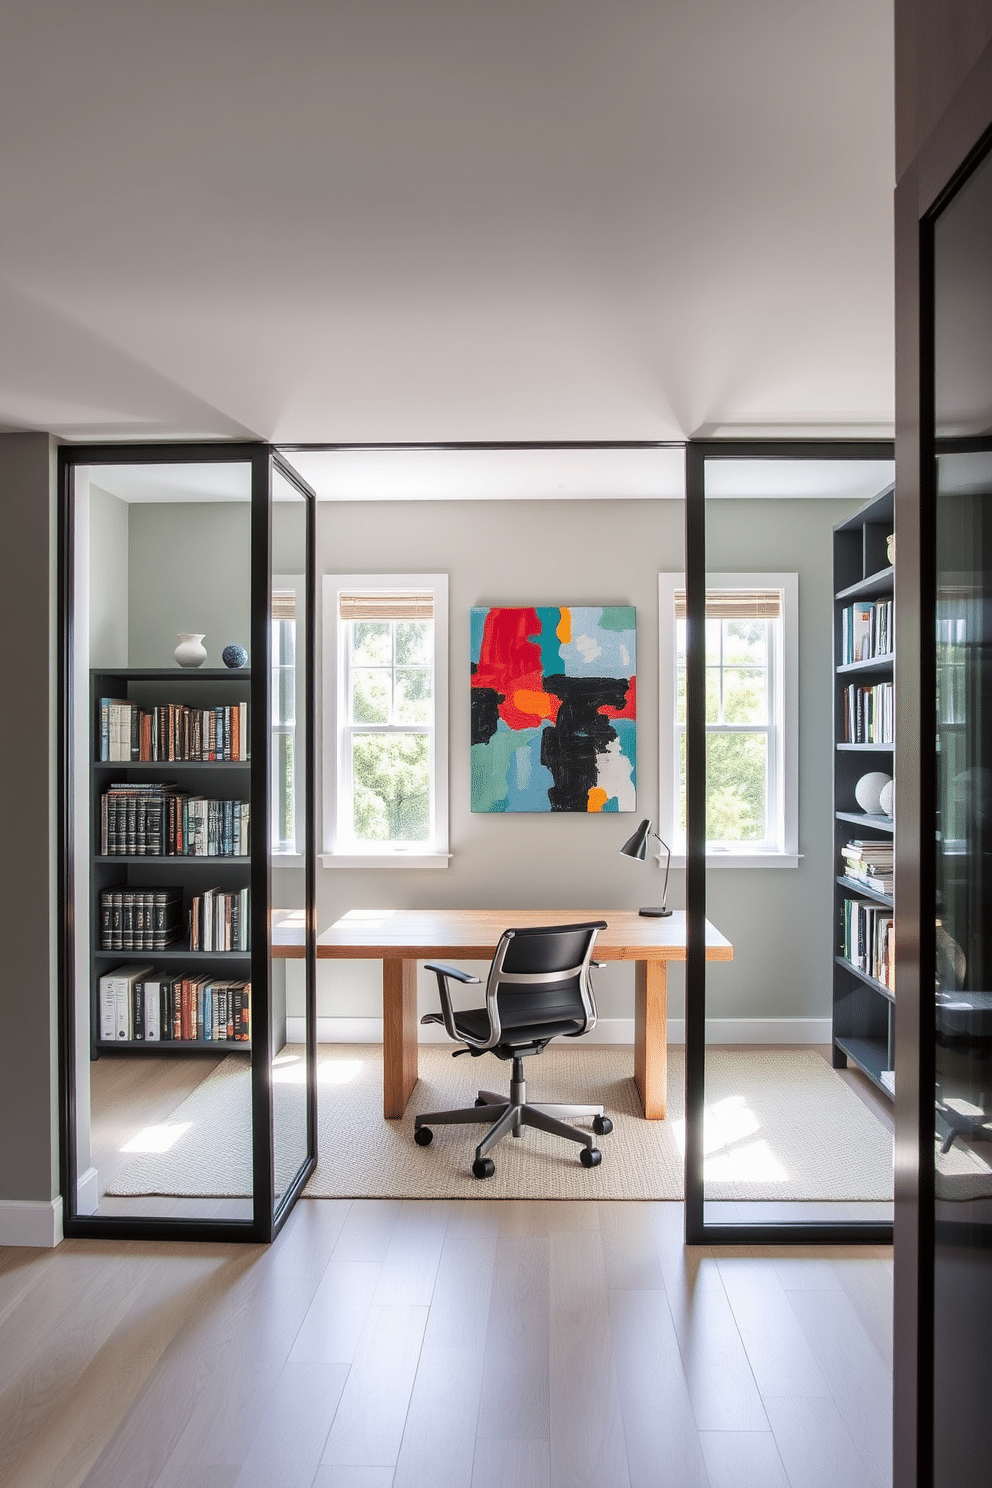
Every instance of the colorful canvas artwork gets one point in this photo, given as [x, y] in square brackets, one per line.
[553, 708]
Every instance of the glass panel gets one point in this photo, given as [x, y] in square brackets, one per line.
[962, 539]
[290, 1009]
[162, 828]
[794, 1130]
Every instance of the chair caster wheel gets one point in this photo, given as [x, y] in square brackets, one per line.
[479, 1101]
[423, 1136]
[602, 1125]
[483, 1167]
[590, 1157]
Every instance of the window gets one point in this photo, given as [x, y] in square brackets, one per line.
[385, 758]
[287, 682]
[751, 715]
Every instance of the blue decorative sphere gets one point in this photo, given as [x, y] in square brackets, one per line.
[234, 656]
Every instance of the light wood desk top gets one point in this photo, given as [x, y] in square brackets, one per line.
[421, 934]
[402, 937]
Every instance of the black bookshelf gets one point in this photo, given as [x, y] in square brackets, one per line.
[863, 1021]
[216, 779]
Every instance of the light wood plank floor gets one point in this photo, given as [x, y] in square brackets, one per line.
[385, 1344]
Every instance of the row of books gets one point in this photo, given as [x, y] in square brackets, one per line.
[172, 731]
[869, 939]
[869, 863]
[219, 920]
[869, 714]
[866, 631]
[140, 919]
[141, 1005]
[159, 820]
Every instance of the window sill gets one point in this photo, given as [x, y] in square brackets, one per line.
[740, 860]
[385, 860]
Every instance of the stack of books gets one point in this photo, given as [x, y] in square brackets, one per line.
[869, 714]
[140, 919]
[219, 921]
[146, 820]
[865, 632]
[869, 863]
[172, 731]
[868, 939]
[139, 1005]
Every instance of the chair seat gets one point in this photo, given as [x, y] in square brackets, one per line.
[476, 1025]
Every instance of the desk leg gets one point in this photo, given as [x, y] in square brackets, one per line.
[399, 1034]
[651, 1037]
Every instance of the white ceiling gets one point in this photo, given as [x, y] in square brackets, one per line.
[351, 220]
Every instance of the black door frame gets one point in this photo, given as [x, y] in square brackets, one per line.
[265, 1223]
[699, 452]
[960, 140]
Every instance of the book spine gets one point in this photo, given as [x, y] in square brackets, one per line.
[108, 1009]
[153, 1010]
[138, 1013]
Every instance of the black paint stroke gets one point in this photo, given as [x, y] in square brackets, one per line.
[580, 733]
[485, 713]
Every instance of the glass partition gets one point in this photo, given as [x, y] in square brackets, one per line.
[290, 828]
[180, 815]
[962, 830]
[781, 689]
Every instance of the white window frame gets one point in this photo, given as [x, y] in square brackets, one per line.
[783, 713]
[340, 850]
[297, 583]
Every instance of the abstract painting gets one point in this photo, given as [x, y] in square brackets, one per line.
[553, 708]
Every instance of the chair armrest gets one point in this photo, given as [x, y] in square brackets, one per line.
[443, 972]
[450, 971]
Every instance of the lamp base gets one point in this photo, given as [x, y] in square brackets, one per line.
[655, 914]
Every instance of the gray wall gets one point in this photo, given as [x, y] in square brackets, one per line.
[589, 552]
[189, 570]
[28, 927]
[108, 579]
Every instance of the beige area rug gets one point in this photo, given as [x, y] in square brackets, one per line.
[780, 1124]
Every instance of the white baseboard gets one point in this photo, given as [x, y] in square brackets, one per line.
[607, 1031]
[24, 1222]
[88, 1192]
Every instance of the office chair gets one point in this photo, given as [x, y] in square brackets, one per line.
[539, 988]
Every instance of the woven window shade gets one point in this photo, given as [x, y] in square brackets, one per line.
[284, 604]
[405, 604]
[736, 604]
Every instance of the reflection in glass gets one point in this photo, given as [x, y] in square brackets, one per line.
[963, 827]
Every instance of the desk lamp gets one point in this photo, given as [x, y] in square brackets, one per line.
[636, 847]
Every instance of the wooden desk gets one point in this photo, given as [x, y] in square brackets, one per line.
[402, 937]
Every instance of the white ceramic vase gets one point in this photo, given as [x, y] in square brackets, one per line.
[190, 652]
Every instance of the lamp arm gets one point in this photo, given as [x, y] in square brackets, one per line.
[668, 866]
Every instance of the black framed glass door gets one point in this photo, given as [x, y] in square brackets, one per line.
[166, 868]
[788, 1121]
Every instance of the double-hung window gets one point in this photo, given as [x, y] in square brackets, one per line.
[385, 756]
[751, 715]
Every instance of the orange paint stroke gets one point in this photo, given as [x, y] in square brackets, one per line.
[564, 630]
[597, 798]
[536, 704]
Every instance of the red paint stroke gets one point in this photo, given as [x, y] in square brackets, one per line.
[629, 709]
[510, 662]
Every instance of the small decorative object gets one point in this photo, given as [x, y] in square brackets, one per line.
[868, 791]
[890, 547]
[234, 656]
[886, 800]
[553, 691]
[189, 652]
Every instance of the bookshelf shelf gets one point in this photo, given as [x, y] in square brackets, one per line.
[863, 1005]
[862, 891]
[209, 804]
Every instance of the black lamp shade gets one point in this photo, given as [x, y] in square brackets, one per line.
[636, 846]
